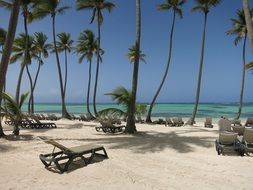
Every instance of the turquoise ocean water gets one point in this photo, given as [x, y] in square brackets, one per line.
[214, 110]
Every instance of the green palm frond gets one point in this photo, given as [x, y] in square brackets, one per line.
[3, 34]
[22, 99]
[205, 5]
[176, 5]
[249, 65]
[115, 112]
[133, 53]
[64, 42]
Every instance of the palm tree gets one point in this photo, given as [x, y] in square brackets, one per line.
[175, 6]
[8, 48]
[204, 7]
[41, 10]
[130, 125]
[123, 97]
[248, 19]
[86, 47]
[64, 44]
[240, 30]
[41, 50]
[96, 6]
[13, 110]
[19, 53]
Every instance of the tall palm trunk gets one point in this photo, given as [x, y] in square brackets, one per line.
[249, 21]
[148, 119]
[243, 77]
[130, 126]
[34, 85]
[97, 69]
[30, 109]
[7, 49]
[64, 109]
[66, 72]
[88, 91]
[200, 72]
[19, 81]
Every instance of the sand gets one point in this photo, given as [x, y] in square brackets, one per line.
[158, 157]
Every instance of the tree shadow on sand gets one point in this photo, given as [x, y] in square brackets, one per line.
[153, 141]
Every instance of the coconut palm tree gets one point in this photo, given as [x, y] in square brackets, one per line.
[85, 48]
[41, 50]
[13, 110]
[130, 125]
[96, 6]
[204, 7]
[249, 22]
[51, 8]
[8, 48]
[19, 51]
[64, 44]
[175, 6]
[123, 98]
[239, 29]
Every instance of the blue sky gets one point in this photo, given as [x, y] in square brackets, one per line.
[222, 68]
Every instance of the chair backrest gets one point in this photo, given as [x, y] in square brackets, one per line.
[248, 135]
[168, 120]
[54, 143]
[209, 121]
[180, 120]
[224, 125]
[249, 121]
[175, 120]
[239, 129]
[227, 138]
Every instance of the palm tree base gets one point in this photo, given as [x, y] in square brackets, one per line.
[148, 120]
[16, 131]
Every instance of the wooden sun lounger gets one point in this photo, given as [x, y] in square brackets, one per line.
[247, 141]
[36, 124]
[208, 122]
[69, 154]
[108, 127]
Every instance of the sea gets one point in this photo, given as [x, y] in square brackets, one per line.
[214, 110]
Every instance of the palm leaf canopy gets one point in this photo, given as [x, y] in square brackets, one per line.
[205, 5]
[7, 4]
[239, 28]
[172, 4]
[19, 49]
[64, 42]
[133, 53]
[249, 65]
[86, 45]
[44, 8]
[41, 47]
[11, 109]
[96, 6]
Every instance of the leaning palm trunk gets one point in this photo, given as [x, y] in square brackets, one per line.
[88, 91]
[97, 70]
[19, 81]
[30, 103]
[200, 72]
[130, 125]
[66, 72]
[64, 109]
[243, 77]
[148, 119]
[7, 49]
[249, 21]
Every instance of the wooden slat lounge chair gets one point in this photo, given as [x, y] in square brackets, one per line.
[228, 141]
[238, 129]
[35, 123]
[236, 122]
[225, 125]
[108, 127]
[177, 121]
[208, 122]
[249, 122]
[159, 121]
[168, 122]
[69, 154]
[247, 141]
[139, 119]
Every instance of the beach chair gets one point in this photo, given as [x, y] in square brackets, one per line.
[228, 141]
[236, 122]
[108, 127]
[208, 122]
[82, 117]
[249, 122]
[35, 123]
[168, 122]
[176, 121]
[247, 141]
[180, 121]
[69, 154]
[224, 125]
[238, 129]
[160, 121]
[139, 119]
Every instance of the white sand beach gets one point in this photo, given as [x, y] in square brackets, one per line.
[158, 157]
